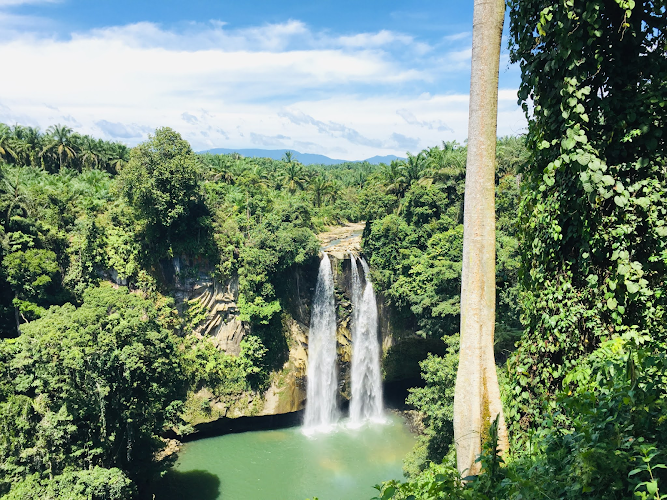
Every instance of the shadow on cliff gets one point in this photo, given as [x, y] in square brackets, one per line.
[189, 485]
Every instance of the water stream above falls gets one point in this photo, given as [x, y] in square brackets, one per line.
[343, 464]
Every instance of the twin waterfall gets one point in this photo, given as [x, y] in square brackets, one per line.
[365, 380]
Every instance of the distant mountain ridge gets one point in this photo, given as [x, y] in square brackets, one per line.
[305, 158]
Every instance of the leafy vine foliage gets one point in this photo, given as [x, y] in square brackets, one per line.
[593, 214]
[587, 387]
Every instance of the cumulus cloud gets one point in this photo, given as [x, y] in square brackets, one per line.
[121, 131]
[115, 130]
[403, 142]
[18, 24]
[268, 141]
[331, 128]
[458, 36]
[411, 119]
[13, 3]
[383, 38]
[73, 121]
[219, 131]
[274, 85]
[192, 119]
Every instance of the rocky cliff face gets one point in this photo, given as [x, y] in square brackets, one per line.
[216, 310]
[212, 306]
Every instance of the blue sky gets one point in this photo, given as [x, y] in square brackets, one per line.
[348, 79]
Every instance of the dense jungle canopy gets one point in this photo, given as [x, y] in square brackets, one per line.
[96, 360]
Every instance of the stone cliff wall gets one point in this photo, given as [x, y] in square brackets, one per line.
[216, 317]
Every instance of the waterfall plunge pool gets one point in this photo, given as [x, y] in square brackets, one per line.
[287, 464]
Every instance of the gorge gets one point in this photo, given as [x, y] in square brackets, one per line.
[330, 456]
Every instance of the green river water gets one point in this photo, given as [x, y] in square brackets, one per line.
[287, 465]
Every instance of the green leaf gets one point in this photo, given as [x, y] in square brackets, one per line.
[389, 493]
[568, 143]
[584, 158]
[608, 180]
[611, 303]
[632, 286]
[643, 202]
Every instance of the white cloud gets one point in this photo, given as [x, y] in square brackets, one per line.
[280, 85]
[380, 39]
[458, 36]
[13, 3]
[410, 118]
[189, 118]
[269, 141]
[121, 131]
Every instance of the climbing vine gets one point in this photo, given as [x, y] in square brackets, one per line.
[593, 215]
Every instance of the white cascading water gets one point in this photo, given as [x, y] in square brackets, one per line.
[366, 379]
[322, 382]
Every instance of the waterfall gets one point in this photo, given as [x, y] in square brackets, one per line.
[322, 383]
[366, 379]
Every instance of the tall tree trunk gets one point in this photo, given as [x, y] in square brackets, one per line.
[477, 396]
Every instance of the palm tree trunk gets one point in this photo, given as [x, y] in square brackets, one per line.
[477, 395]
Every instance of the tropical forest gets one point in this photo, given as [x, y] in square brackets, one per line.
[482, 318]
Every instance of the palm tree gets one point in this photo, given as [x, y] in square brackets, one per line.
[414, 167]
[92, 186]
[447, 167]
[255, 176]
[27, 144]
[60, 143]
[448, 161]
[511, 153]
[89, 153]
[221, 166]
[359, 178]
[395, 182]
[13, 192]
[240, 166]
[6, 146]
[293, 176]
[321, 186]
[288, 157]
[117, 155]
[334, 191]
[476, 395]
